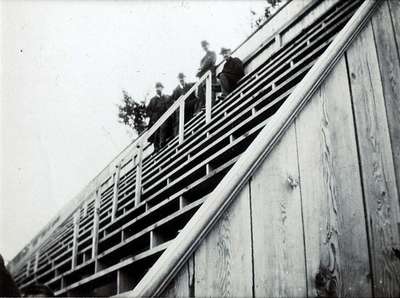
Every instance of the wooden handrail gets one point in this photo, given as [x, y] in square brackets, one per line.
[170, 262]
[178, 104]
[148, 133]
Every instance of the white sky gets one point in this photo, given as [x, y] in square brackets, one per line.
[63, 66]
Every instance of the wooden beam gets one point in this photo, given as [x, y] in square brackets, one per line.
[124, 281]
[182, 202]
[138, 182]
[95, 236]
[150, 228]
[208, 97]
[377, 167]
[184, 283]
[85, 208]
[28, 265]
[278, 249]
[113, 268]
[334, 225]
[75, 239]
[181, 122]
[35, 268]
[394, 7]
[115, 191]
[156, 239]
[225, 269]
[389, 64]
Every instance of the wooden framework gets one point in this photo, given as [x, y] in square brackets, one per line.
[169, 264]
[127, 222]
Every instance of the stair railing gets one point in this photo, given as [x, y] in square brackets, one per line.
[141, 142]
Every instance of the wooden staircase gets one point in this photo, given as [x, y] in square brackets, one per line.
[111, 241]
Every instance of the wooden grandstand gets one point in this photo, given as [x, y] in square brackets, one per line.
[132, 214]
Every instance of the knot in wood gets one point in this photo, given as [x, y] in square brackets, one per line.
[396, 252]
[292, 182]
[325, 283]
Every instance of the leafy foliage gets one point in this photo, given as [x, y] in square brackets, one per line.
[132, 113]
[268, 12]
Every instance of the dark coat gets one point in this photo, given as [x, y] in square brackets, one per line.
[179, 91]
[207, 63]
[190, 104]
[233, 67]
[155, 109]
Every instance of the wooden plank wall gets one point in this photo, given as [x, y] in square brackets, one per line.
[321, 216]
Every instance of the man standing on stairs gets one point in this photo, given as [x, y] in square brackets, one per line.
[206, 63]
[157, 106]
[190, 102]
[231, 73]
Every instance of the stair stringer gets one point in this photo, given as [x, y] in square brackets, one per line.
[265, 231]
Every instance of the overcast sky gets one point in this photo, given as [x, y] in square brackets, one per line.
[63, 67]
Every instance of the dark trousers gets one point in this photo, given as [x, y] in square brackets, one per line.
[201, 98]
[228, 83]
[160, 137]
[191, 104]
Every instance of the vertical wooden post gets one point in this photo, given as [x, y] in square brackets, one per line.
[85, 208]
[138, 186]
[155, 239]
[115, 191]
[208, 96]
[278, 40]
[28, 265]
[35, 268]
[95, 236]
[75, 239]
[125, 281]
[181, 122]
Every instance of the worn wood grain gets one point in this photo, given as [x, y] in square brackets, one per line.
[279, 261]
[223, 260]
[380, 190]
[183, 283]
[334, 222]
[394, 7]
[389, 65]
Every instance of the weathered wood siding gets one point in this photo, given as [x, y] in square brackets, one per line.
[321, 216]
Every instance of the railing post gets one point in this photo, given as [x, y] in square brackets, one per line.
[208, 96]
[115, 192]
[35, 268]
[181, 121]
[96, 213]
[138, 185]
[75, 239]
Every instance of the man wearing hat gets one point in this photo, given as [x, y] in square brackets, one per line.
[190, 102]
[206, 63]
[231, 73]
[157, 106]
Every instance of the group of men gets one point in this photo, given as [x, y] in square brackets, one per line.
[228, 79]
